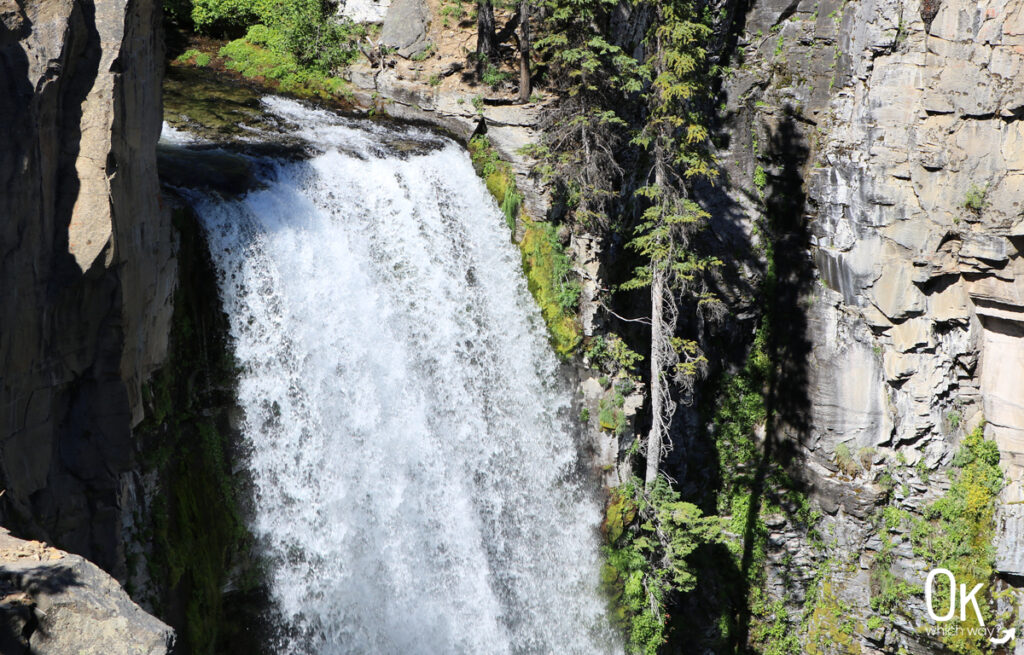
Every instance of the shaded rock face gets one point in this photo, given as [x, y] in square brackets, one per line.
[54, 603]
[87, 262]
[906, 117]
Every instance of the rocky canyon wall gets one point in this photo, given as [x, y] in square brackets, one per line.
[87, 263]
[889, 134]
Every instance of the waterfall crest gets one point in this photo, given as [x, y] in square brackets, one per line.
[417, 480]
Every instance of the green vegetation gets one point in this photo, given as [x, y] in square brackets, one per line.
[494, 77]
[954, 419]
[845, 461]
[954, 532]
[957, 530]
[306, 29]
[888, 591]
[549, 276]
[650, 535]
[548, 269]
[830, 624]
[975, 198]
[194, 57]
[760, 179]
[254, 59]
[296, 44]
[196, 531]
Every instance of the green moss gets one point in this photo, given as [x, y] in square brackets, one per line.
[195, 57]
[548, 270]
[195, 526]
[831, 626]
[548, 276]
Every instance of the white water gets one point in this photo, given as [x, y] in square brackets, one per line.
[417, 484]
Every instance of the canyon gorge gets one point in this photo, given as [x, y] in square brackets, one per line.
[357, 362]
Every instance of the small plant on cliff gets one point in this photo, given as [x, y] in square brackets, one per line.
[845, 461]
[954, 419]
[975, 198]
[760, 179]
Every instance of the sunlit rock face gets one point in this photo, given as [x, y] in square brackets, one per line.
[87, 264]
[891, 137]
[54, 603]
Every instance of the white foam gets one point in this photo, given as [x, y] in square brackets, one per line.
[411, 446]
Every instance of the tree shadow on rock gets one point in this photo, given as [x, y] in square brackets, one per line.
[18, 589]
[763, 353]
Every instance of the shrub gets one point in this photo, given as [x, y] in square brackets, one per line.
[494, 76]
[957, 530]
[306, 29]
[975, 198]
[760, 179]
[845, 461]
[954, 419]
[256, 61]
[649, 538]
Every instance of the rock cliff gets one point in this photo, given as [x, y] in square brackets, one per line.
[889, 134]
[87, 263]
[52, 602]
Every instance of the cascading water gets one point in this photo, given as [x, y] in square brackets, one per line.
[417, 483]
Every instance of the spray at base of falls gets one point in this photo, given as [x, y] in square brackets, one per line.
[417, 481]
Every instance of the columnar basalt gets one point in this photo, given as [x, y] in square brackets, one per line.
[87, 263]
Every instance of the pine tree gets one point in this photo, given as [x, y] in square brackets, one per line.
[675, 137]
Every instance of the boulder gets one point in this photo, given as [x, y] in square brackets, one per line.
[364, 11]
[405, 27]
[55, 603]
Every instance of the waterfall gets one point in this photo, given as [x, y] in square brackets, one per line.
[418, 483]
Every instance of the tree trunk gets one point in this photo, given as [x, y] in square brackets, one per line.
[524, 52]
[660, 334]
[658, 427]
[486, 46]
